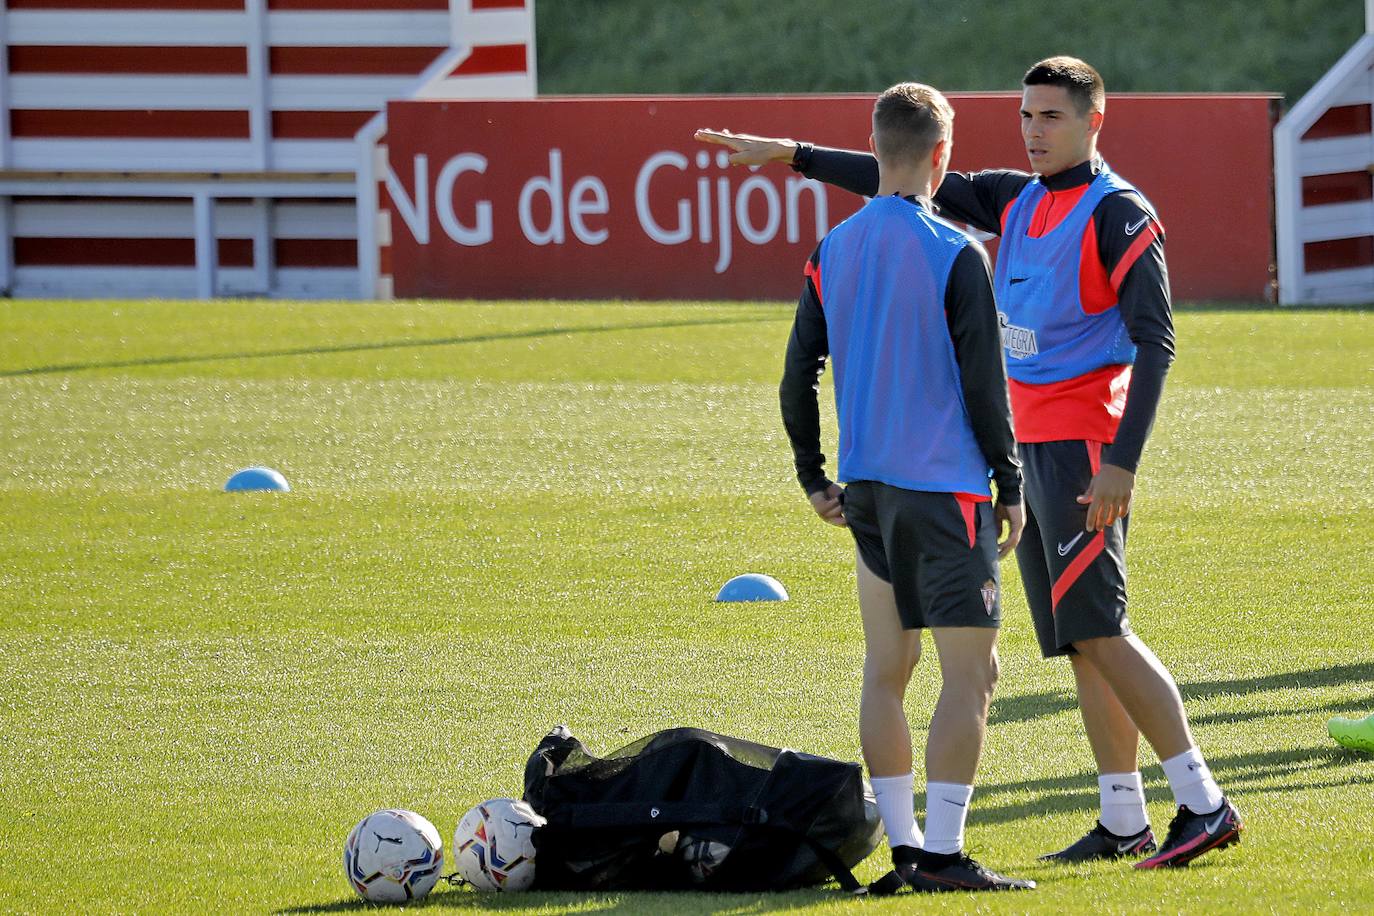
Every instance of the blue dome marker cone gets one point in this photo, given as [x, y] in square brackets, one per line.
[257, 479]
[752, 587]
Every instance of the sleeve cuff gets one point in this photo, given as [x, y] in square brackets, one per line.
[1125, 463]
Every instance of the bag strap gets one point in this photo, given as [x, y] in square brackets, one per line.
[848, 883]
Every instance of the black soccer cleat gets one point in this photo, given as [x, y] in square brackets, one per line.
[1191, 834]
[1101, 843]
[933, 873]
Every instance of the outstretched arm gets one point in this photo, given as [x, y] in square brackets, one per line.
[848, 169]
[978, 199]
[747, 149]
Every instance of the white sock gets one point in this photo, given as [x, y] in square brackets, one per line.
[1192, 782]
[1123, 803]
[897, 808]
[946, 811]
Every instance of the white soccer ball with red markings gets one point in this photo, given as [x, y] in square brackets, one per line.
[392, 856]
[493, 847]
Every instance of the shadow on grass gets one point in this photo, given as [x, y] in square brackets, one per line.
[381, 345]
[1047, 703]
[1241, 775]
[1358, 707]
[1030, 706]
[1304, 680]
[1244, 774]
[605, 902]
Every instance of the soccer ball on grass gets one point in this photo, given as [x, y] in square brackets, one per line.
[493, 847]
[392, 856]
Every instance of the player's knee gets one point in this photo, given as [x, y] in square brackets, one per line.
[1099, 649]
[977, 678]
[889, 673]
[909, 664]
[988, 673]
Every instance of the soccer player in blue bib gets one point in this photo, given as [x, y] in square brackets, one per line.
[1083, 301]
[900, 301]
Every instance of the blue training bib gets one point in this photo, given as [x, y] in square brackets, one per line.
[1046, 334]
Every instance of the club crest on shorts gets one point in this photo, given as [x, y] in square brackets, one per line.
[989, 591]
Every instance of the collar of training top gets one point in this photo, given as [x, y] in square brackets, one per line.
[924, 203]
[1081, 174]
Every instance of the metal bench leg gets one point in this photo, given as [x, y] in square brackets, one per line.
[207, 251]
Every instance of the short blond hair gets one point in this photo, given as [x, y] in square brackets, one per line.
[909, 119]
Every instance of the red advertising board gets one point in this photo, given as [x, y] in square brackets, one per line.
[611, 197]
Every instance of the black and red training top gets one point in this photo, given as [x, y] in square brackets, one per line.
[1122, 266]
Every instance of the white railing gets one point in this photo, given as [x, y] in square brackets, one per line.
[1324, 184]
[286, 133]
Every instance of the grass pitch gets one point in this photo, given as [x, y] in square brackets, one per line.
[507, 516]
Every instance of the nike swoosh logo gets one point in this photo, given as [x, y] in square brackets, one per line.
[1133, 228]
[1065, 548]
[1194, 766]
[1015, 280]
[953, 802]
[1118, 787]
[1214, 825]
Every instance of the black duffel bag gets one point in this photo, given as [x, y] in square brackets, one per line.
[690, 809]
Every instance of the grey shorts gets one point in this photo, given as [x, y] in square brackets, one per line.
[938, 550]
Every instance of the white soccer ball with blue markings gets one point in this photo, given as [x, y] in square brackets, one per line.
[493, 847]
[392, 856]
[702, 857]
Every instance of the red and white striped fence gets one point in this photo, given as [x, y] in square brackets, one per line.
[208, 147]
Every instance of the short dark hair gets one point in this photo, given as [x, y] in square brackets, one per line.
[909, 119]
[1083, 83]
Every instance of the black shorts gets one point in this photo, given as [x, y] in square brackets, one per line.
[1075, 579]
[938, 550]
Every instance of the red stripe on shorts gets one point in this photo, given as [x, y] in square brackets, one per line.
[1075, 569]
[1094, 455]
[968, 504]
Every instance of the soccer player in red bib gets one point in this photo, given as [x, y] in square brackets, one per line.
[1083, 301]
